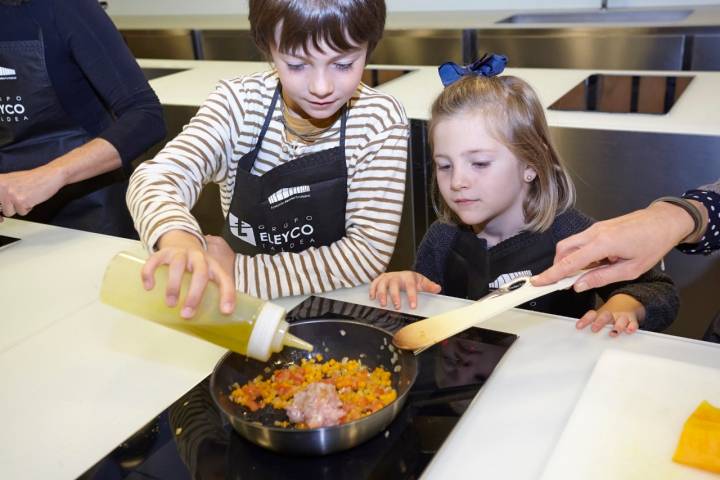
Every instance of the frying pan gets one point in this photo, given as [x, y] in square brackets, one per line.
[333, 339]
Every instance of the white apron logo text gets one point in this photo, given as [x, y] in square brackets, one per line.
[284, 237]
[12, 110]
[7, 73]
[242, 230]
[278, 238]
[287, 195]
[298, 232]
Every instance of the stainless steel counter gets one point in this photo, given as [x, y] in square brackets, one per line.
[627, 48]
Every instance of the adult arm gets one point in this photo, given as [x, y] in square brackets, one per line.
[107, 63]
[99, 51]
[20, 191]
[630, 244]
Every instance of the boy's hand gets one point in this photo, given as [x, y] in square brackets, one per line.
[182, 251]
[221, 251]
[411, 282]
[622, 311]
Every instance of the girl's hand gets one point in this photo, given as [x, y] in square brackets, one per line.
[182, 251]
[622, 311]
[412, 282]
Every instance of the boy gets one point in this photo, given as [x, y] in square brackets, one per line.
[310, 162]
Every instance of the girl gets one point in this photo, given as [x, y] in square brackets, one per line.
[505, 201]
[310, 162]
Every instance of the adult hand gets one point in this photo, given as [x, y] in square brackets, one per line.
[182, 251]
[630, 245]
[394, 282]
[22, 190]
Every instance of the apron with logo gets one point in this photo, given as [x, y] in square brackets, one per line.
[295, 206]
[472, 270]
[34, 130]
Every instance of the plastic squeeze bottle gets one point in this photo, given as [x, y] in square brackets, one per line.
[256, 328]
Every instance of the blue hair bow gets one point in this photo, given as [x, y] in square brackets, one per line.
[488, 66]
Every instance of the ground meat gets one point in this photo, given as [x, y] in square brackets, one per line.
[318, 405]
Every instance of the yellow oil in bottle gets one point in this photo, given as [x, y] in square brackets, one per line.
[256, 328]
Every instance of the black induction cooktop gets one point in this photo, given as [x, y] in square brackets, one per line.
[649, 94]
[6, 241]
[191, 439]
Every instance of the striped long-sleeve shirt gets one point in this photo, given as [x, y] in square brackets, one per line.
[163, 190]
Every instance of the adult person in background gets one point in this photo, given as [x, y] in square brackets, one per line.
[634, 243]
[75, 110]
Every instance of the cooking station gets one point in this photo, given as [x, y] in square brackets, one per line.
[80, 378]
[670, 152]
[450, 375]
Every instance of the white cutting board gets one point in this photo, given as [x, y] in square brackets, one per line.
[628, 420]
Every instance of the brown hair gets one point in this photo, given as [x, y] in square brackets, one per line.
[517, 120]
[341, 24]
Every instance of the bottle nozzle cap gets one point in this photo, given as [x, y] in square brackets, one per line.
[291, 340]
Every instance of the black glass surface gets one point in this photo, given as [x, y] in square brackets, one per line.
[191, 439]
[5, 241]
[649, 94]
[152, 73]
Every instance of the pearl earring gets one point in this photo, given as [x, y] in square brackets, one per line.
[529, 178]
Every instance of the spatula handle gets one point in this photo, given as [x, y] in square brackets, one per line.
[425, 333]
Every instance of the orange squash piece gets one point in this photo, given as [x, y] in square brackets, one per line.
[699, 444]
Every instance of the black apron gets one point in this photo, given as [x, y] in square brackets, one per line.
[34, 130]
[293, 207]
[471, 267]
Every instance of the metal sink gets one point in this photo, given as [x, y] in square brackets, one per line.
[151, 73]
[601, 16]
[648, 94]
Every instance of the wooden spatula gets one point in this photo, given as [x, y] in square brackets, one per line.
[423, 334]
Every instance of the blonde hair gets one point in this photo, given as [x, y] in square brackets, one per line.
[514, 113]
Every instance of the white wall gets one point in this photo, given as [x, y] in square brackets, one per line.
[239, 7]
[177, 7]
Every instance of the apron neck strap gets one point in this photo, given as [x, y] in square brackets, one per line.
[268, 118]
[343, 122]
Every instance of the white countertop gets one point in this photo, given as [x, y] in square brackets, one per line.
[452, 19]
[697, 112]
[83, 376]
